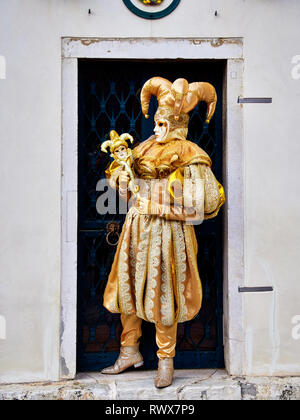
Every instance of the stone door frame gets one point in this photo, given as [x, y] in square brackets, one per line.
[229, 49]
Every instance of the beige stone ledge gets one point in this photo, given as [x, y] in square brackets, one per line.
[187, 385]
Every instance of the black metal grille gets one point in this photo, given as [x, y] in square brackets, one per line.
[109, 99]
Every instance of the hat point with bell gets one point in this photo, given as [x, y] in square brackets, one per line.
[176, 100]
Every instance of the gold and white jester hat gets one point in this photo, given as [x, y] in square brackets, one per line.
[176, 100]
[116, 141]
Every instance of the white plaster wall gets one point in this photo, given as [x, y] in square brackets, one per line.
[30, 162]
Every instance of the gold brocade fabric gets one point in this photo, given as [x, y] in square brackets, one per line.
[154, 274]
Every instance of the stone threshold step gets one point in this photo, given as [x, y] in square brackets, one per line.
[188, 385]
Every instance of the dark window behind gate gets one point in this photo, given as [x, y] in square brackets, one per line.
[109, 99]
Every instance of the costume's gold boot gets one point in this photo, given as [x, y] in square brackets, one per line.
[129, 356]
[165, 373]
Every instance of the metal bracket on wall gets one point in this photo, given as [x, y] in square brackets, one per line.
[256, 289]
[254, 100]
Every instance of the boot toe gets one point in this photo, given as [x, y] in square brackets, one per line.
[129, 357]
[162, 383]
[108, 371]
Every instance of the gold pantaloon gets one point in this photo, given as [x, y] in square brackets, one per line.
[165, 336]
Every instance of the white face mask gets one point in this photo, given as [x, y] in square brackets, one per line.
[161, 130]
[121, 153]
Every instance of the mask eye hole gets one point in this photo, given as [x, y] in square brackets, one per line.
[160, 124]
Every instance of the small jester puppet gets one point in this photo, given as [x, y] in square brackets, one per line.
[154, 276]
[122, 155]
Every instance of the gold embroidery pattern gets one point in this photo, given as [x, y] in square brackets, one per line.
[212, 193]
[180, 268]
[167, 298]
[198, 190]
[141, 264]
[188, 188]
[133, 245]
[194, 176]
[168, 114]
[153, 264]
[123, 271]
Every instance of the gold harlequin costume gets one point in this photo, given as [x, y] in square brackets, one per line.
[154, 275]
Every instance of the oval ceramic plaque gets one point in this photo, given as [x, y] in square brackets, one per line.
[151, 9]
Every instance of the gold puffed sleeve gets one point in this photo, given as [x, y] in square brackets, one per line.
[214, 193]
[195, 193]
[175, 182]
[186, 192]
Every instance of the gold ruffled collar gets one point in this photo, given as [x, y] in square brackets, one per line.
[159, 160]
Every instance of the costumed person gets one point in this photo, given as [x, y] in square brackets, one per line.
[154, 276]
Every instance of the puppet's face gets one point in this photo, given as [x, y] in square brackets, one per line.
[161, 130]
[121, 153]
